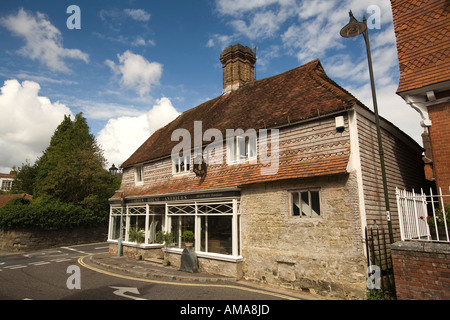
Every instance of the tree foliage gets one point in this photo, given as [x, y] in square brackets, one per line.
[72, 168]
[69, 182]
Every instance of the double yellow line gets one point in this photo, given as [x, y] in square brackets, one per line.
[82, 263]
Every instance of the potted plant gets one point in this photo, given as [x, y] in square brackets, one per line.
[136, 235]
[440, 223]
[188, 237]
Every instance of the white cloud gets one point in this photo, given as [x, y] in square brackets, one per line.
[138, 14]
[27, 123]
[43, 40]
[124, 135]
[136, 72]
[309, 30]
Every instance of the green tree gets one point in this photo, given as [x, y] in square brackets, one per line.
[24, 181]
[72, 169]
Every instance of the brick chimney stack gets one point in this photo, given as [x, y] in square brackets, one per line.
[238, 67]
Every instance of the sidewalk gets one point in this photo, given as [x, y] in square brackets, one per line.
[154, 271]
[150, 270]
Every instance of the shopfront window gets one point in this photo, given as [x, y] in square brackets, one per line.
[140, 223]
[215, 226]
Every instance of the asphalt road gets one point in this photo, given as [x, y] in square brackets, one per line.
[56, 274]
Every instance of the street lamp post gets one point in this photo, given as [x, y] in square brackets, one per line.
[113, 171]
[353, 29]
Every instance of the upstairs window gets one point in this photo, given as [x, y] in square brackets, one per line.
[182, 165]
[241, 149]
[305, 204]
[139, 175]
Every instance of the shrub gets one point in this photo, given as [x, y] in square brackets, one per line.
[46, 214]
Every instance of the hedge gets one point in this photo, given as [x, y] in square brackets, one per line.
[47, 214]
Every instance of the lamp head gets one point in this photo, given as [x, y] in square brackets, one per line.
[113, 170]
[354, 28]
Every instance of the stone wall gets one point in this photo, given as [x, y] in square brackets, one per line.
[321, 255]
[421, 270]
[205, 264]
[36, 239]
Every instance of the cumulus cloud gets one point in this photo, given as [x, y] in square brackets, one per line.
[309, 30]
[136, 72]
[122, 136]
[27, 123]
[43, 41]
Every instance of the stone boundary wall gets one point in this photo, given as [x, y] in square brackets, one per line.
[421, 270]
[20, 240]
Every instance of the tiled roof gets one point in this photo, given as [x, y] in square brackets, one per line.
[5, 198]
[422, 28]
[299, 94]
[7, 176]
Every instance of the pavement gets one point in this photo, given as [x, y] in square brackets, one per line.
[154, 271]
[150, 270]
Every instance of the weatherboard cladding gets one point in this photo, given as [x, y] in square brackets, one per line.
[306, 150]
[297, 102]
[299, 94]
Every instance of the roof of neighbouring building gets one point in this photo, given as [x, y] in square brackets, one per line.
[422, 28]
[5, 198]
[299, 94]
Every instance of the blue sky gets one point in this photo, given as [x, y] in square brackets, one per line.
[135, 65]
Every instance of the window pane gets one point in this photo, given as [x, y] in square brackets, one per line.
[252, 147]
[115, 228]
[139, 174]
[306, 210]
[295, 204]
[136, 231]
[155, 224]
[187, 160]
[315, 204]
[181, 224]
[216, 234]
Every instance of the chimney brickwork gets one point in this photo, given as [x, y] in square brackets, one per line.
[238, 67]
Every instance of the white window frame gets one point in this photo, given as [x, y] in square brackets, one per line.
[139, 175]
[187, 168]
[145, 211]
[192, 210]
[242, 149]
[304, 207]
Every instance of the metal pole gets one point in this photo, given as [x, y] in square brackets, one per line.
[380, 143]
[119, 244]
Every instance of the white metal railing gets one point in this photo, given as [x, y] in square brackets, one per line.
[421, 216]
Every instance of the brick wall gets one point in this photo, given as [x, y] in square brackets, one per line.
[440, 143]
[421, 270]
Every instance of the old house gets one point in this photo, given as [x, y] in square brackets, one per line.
[7, 180]
[286, 200]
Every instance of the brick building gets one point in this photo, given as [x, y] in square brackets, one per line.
[285, 201]
[422, 28]
[7, 179]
